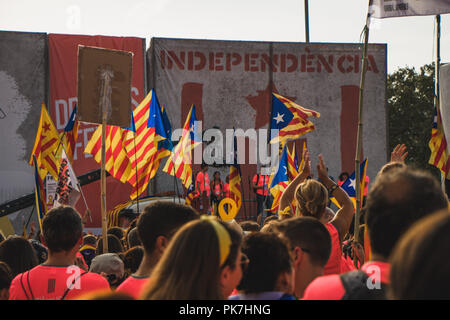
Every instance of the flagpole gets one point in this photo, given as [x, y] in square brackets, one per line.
[437, 101]
[137, 178]
[106, 75]
[306, 21]
[360, 135]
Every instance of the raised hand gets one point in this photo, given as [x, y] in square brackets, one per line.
[322, 169]
[399, 153]
[306, 170]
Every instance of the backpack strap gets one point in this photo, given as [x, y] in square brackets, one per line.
[70, 287]
[355, 285]
[23, 287]
[29, 285]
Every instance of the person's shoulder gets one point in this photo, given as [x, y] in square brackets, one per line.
[328, 287]
[93, 277]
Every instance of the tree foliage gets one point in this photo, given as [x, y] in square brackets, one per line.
[410, 97]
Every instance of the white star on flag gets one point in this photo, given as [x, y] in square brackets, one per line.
[279, 118]
[353, 184]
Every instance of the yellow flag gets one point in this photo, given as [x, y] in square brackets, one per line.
[45, 145]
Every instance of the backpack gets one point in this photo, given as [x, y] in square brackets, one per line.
[355, 285]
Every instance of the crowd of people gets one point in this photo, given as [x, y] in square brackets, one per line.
[304, 252]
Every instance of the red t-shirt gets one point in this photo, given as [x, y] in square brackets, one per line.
[331, 288]
[333, 265]
[202, 183]
[133, 286]
[226, 190]
[51, 282]
[263, 180]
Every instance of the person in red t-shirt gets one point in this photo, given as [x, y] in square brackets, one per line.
[311, 200]
[202, 188]
[217, 190]
[58, 278]
[391, 210]
[260, 185]
[156, 226]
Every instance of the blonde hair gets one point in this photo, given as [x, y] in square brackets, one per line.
[311, 198]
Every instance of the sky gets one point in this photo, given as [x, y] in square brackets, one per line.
[410, 40]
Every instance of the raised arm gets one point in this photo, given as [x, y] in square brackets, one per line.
[288, 195]
[344, 216]
[399, 153]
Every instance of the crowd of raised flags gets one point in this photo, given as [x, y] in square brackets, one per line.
[133, 155]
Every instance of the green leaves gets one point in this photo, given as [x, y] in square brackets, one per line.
[410, 96]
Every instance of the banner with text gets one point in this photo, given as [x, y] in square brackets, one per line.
[230, 83]
[400, 8]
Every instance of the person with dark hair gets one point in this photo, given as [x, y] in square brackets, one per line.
[133, 238]
[156, 226]
[58, 278]
[269, 274]
[273, 217]
[88, 249]
[117, 231]
[5, 280]
[114, 245]
[310, 246]
[418, 268]
[217, 191]
[202, 262]
[203, 188]
[396, 200]
[40, 250]
[126, 217]
[249, 226]
[18, 254]
[132, 259]
[342, 177]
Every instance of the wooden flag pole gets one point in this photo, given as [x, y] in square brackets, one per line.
[359, 136]
[106, 76]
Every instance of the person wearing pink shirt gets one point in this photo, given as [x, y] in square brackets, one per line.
[397, 200]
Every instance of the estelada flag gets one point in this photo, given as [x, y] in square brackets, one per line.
[45, 146]
[349, 185]
[280, 180]
[142, 146]
[116, 158]
[179, 163]
[292, 162]
[70, 135]
[290, 119]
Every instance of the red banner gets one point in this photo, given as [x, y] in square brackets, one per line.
[63, 65]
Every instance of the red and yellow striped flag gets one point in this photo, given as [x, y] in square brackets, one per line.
[45, 145]
[438, 146]
[179, 163]
[70, 135]
[142, 145]
[116, 159]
